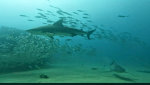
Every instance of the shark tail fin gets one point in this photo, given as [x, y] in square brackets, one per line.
[89, 33]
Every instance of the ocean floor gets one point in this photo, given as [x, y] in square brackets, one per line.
[67, 74]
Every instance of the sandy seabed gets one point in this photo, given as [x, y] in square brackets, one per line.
[66, 74]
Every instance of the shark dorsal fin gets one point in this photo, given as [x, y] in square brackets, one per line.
[59, 23]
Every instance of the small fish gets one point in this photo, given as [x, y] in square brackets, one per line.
[122, 16]
[49, 21]
[49, 11]
[38, 17]
[89, 21]
[44, 23]
[54, 7]
[59, 12]
[84, 25]
[23, 15]
[53, 14]
[77, 20]
[73, 23]
[75, 13]
[30, 20]
[42, 14]
[85, 14]
[80, 10]
[62, 17]
[85, 17]
[66, 13]
[44, 18]
[39, 9]
[95, 26]
[70, 17]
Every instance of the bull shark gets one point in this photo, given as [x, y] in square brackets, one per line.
[59, 29]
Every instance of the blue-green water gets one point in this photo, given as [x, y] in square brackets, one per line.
[120, 44]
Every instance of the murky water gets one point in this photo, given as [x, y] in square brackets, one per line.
[74, 41]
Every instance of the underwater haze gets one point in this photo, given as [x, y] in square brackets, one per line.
[57, 41]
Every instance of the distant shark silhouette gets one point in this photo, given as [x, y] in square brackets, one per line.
[59, 29]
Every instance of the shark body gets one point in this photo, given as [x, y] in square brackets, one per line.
[59, 29]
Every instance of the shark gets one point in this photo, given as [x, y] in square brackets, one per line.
[59, 29]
